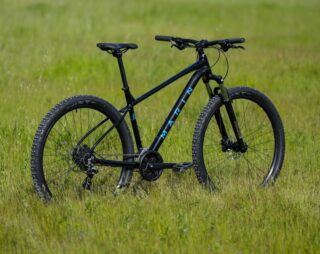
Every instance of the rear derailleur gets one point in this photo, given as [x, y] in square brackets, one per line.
[83, 157]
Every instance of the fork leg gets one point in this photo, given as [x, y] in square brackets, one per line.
[221, 126]
[234, 123]
[217, 115]
[230, 111]
[231, 114]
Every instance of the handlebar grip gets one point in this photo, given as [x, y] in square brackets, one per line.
[235, 40]
[163, 38]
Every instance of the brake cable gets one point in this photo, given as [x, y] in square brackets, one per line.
[225, 56]
[218, 59]
[227, 62]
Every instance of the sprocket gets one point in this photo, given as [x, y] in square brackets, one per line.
[145, 159]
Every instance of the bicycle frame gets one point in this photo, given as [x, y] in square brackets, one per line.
[201, 69]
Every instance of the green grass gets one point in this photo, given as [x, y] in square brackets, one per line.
[47, 53]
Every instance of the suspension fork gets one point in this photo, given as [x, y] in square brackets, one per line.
[211, 94]
[228, 104]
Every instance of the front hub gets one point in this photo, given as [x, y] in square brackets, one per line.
[237, 147]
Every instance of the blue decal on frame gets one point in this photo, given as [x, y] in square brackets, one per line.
[164, 134]
[177, 111]
[189, 91]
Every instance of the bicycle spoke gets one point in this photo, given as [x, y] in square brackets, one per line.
[254, 166]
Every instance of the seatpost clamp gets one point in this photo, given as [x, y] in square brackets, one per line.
[116, 53]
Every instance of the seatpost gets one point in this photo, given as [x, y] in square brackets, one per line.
[129, 99]
[125, 86]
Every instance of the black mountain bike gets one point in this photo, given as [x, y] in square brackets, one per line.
[238, 136]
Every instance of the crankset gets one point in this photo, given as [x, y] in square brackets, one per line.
[146, 159]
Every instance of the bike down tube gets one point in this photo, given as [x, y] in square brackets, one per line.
[177, 108]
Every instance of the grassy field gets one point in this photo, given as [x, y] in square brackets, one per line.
[47, 53]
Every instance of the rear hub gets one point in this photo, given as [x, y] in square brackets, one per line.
[82, 156]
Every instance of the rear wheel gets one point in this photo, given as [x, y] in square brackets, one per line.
[218, 163]
[60, 146]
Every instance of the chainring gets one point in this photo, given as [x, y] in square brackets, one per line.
[147, 173]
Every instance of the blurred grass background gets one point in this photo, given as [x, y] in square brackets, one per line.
[47, 53]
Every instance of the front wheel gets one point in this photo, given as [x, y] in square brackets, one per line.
[66, 139]
[218, 162]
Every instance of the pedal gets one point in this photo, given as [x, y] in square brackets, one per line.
[181, 167]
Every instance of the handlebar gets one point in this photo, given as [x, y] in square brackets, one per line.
[163, 38]
[182, 43]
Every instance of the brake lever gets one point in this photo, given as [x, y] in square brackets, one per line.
[178, 45]
[225, 47]
[239, 47]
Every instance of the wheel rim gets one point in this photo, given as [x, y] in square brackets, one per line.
[252, 168]
[62, 175]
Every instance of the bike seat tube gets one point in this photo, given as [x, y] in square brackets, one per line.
[130, 101]
[125, 86]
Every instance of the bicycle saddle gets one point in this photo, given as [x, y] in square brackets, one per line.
[116, 46]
